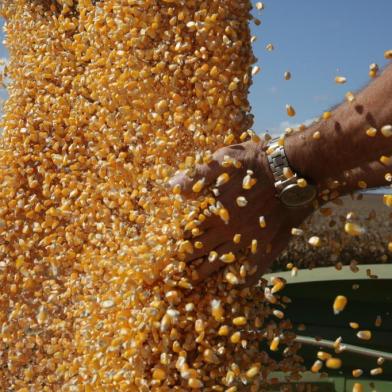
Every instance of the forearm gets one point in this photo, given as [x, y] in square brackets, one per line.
[343, 143]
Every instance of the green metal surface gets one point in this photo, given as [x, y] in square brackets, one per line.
[313, 292]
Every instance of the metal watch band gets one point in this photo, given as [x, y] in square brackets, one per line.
[278, 161]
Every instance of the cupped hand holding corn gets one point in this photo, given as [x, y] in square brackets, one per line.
[247, 218]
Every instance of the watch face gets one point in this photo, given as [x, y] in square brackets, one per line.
[295, 196]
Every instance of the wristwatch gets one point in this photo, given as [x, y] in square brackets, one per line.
[289, 192]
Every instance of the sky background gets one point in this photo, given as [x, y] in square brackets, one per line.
[315, 41]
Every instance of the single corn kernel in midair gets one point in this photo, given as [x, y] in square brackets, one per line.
[314, 241]
[380, 361]
[237, 238]
[270, 47]
[316, 367]
[362, 184]
[287, 75]
[222, 179]
[262, 222]
[386, 130]
[198, 245]
[198, 186]
[241, 201]
[339, 304]
[278, 285]
[373, 70]
[248, 182]
[364, 335]
[340, 79]
[228, 257]
[334, 363]
[253, 246]
[224, 215]
[290, 110]
[353, 229]
[371, 132]
[302, 183]
[387, 200]
[274, 346]
[255, 70]
[259, 5]
[386, 160]
[354, 325]
[326, 115]
[376, 371]
[357, 373]
[357, 387]
[378, 321]
[323, 356]
[232, 279]
[388, 54]
[278, 313]
[212, 256]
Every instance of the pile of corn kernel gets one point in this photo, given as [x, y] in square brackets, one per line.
[107, 99]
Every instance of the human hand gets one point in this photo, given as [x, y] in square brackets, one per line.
[246, 211]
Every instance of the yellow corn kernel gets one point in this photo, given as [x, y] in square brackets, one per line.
[231, 278]
[235, 338]
[327, 115]
[253, 246]
[386, 130]
[357, 373]
[262, 222]
[339, 304]
[340, 80]
[237, 238]
[224, 215]
[364, 335]
[316, 367]
[357, 387]
[239, 321]
[223, 330]
[222, 179]
[386, 160]
[259, 5]
[350, 97]
[194, 383]
[376, 371]
[270, 47]
[287, 75]
[314, 241]
[353, 229]
[198, 186]
[228, 258]
[323, 356]
[302, 183]
[158, 374]
[316, 135]
[255, 70]
[248, 182]
[387, 199]
[290, 111]
[274, 346]
[253, 371]
[241, 201]
[217, 310]
[354, 325]
[371, 132]
[334, 363]
[278, 313]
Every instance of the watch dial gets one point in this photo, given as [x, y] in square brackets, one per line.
[295, 196]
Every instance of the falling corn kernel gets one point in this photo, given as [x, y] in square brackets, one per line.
[237, 238]
[316, 367]
[340, 80]
[327, 115]
[357, 387]
[353, 229]
[278, 285]
[241, 201]
[314, 241]
[278, 314]
[287, 75]
[386, 130]
[212, 256]
[274, 346]
[290, 111]
[224, 214]
[386, 160]
[364, 335]
[228, 258]
[253, 246]
[371, 132]
[248, 182]
[262, 222]
[354, 325]
[323, 356]
[316, 135]
[387, 199]
[223, 330]
[232, 279]
[297, 232]
[198, 186]
[357, 373]
[339, 304]
[255, 70]
[362, 184]
[235, 338]
[334, 363]
[302, 183]
[270, 47]
[253, 371]
[222, 179]
[376, 371]
[259, 5]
